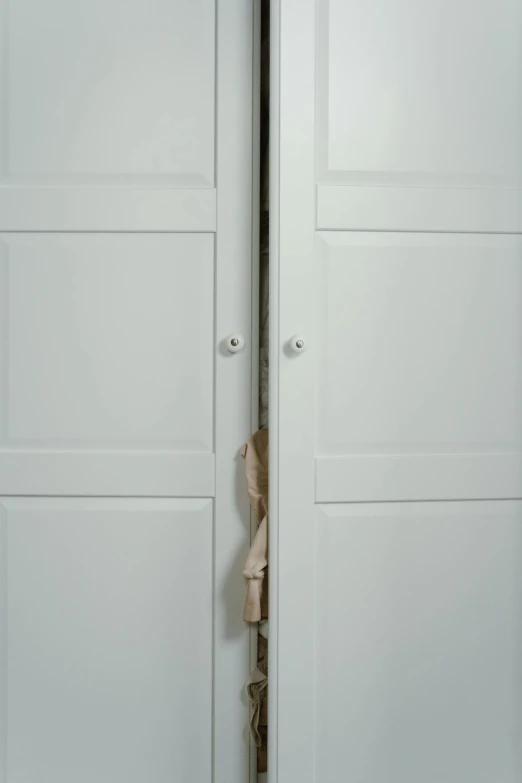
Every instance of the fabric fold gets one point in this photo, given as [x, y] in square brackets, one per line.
[256, 687]
[254, 573]
[255, 454]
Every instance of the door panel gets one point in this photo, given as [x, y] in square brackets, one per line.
[107, 363]
[96, 334]
[407, 98]
[125, 261]
[107, 633]
[418, 610]
[93, 128]
[414, 363]
[396, 462]
[424, 322]
[409, 101]
[107, 117]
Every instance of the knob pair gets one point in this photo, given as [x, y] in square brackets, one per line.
[236, 342]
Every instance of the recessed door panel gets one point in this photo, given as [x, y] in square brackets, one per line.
[108, 341]
[421, 343]
[107, 89]
[408, 93]
[106, 639]
[419, 641]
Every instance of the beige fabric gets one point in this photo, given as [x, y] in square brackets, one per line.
[254, 573]
[255, 453]
[257, 694]
[256, 687]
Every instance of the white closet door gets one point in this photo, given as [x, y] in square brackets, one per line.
[396, 436]
[125, 245]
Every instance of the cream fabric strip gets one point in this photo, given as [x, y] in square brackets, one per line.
[256, 686]
[255, 453]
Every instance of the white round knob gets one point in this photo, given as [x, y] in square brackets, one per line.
[235, 342]
[297, 344]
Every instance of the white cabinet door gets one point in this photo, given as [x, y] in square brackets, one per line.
[125, 245]
[396, 522]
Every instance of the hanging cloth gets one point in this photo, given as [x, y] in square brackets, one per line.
[255, 454]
